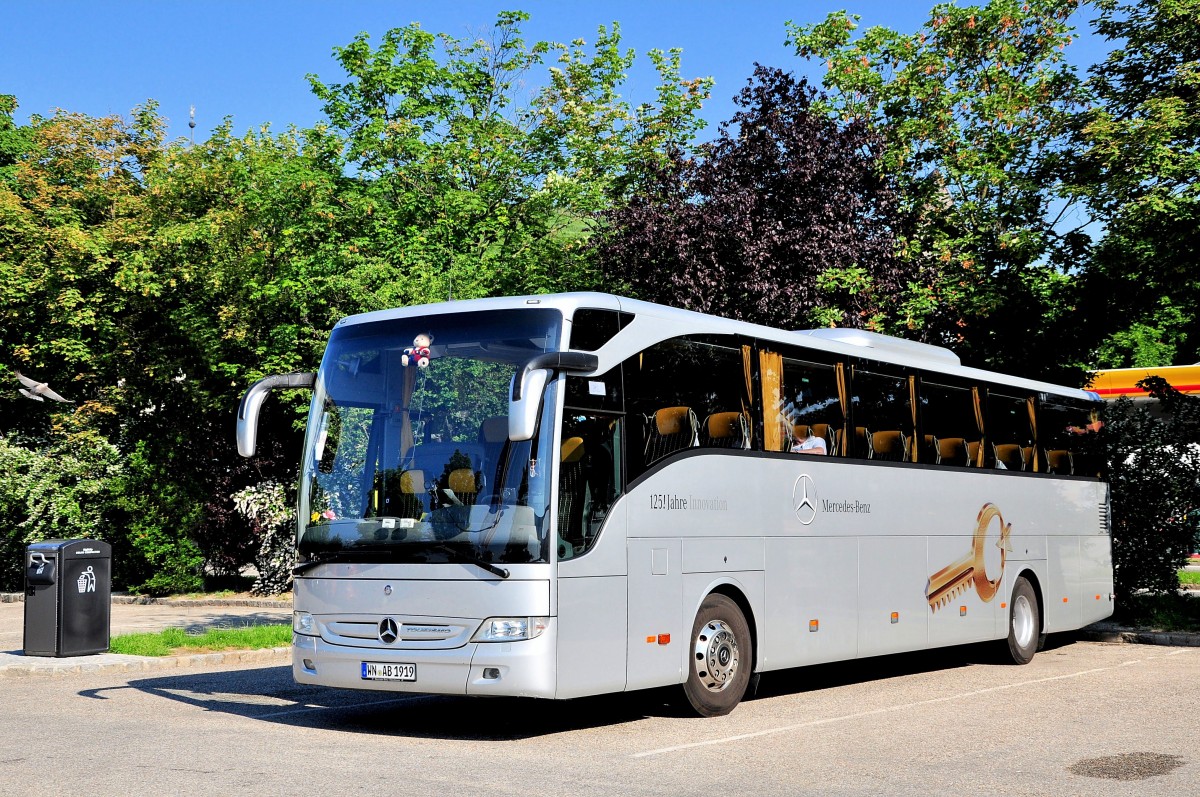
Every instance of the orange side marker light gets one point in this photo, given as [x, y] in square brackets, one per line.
[664, 639]
[814, 625]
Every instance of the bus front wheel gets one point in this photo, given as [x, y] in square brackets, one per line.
[1024, 623]
[722, 657]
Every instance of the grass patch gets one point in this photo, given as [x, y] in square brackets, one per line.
[175, 640]
[1189, 576]
[1160, 612]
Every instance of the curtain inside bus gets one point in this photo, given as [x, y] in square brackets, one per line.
[770, 365]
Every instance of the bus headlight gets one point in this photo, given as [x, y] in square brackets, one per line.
[510, 629]
[303, 623]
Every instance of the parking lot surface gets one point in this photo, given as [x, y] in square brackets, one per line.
[1084, 718]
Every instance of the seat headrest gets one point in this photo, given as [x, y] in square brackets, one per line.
[670, 420]
[412, 481]
[572, 449]
[462, 480]
[724, 424]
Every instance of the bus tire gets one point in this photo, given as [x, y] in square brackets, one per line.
[1024, 623]
[721, 658]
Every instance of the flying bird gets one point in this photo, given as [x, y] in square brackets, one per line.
[39, 391]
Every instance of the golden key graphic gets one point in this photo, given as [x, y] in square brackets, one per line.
[955, 579]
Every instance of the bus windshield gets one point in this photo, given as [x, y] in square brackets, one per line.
[407, 457]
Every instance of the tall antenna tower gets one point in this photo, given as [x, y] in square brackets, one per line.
[192, 123]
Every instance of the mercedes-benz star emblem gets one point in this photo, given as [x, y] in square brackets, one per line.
[389, 632]
[804, 499]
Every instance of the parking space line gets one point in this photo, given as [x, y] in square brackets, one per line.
[875, 712]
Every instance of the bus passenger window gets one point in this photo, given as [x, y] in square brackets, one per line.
[805, 406]
[882, 417]
[1067, 437]
[683, 394]
[1009, 434]
[950, 431]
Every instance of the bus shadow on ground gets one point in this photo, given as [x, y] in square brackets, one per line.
[270, 695]
[816, 677]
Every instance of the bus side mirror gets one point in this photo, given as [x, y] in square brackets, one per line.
[529, 383]
[247, 418]
[523, 411]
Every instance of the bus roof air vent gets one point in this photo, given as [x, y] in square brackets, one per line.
[885, 343]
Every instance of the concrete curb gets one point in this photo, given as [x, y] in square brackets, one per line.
[258, 603]
[1108, 633]
[141, 600]
[36, 666]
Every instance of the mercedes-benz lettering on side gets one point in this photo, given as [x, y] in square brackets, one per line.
[566, 495]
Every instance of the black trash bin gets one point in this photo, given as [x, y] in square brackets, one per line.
[67, 597]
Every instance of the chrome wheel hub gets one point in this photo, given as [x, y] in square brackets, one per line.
[716, 655]
[1022, 621]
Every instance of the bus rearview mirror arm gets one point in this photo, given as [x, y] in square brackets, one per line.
[247, 417]
[529, 383]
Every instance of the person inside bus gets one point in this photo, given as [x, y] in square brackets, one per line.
[805, 442]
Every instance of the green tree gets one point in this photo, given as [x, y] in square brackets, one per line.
[1142, 145]
[474, 193]
[976, 110]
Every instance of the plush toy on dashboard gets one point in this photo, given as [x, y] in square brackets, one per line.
[419, 351]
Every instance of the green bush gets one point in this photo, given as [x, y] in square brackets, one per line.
[1154, 472]
[156, 553]
[273, 516]
[64, 491]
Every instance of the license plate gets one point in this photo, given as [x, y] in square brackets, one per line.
[379, 671]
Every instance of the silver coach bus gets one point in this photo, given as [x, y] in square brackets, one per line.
[567, 495]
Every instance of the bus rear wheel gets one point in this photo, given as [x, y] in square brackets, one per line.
[722, 657]
[1024, 623]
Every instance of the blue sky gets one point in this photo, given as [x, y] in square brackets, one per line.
[248, 60]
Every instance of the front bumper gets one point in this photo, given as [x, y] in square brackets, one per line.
[513, 669]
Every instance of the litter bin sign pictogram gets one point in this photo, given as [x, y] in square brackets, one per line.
[87, 581]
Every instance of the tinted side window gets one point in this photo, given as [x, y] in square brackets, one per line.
[1009, 433]
[1067, 438]
[808, 405]
[591, 328]
[589, 478]
[882, 416]
[682, 394]
[950, 431]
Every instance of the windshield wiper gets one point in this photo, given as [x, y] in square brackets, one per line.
[340, 555]
[467, 559]
[353, 555]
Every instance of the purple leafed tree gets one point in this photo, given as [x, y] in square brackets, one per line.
[783, 220]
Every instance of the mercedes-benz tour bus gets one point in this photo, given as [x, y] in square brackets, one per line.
[566, 495]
